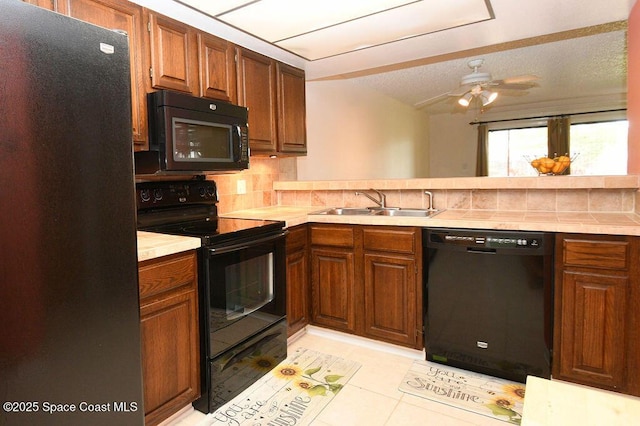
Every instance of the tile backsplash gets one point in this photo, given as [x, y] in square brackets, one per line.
[258, 183]
[541, 200]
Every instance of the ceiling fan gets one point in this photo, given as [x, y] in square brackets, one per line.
[480, 86]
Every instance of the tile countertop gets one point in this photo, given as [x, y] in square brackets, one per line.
[578, 222]
[556, 403]
[152, 245]
[532, 182]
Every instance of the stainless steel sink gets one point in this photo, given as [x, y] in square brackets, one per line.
[408, 212]
[342, 211]
[400, 212]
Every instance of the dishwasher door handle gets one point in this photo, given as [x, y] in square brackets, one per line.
[476, 250]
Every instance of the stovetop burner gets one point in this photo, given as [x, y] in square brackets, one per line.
[189, 208]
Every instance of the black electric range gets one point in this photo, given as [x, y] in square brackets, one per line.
[189, 208]
[241, 283]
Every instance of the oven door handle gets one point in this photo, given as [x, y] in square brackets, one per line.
[246, 245]
[245, 311]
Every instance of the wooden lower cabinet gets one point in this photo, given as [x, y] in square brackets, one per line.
[333, 288]
[597, 295]
[170, 339]
[298, 291]
[366, 280]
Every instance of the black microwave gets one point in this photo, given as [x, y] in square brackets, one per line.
[193, 135]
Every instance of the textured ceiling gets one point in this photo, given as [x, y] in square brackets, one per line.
[589, 66]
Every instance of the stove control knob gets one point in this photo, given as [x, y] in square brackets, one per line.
[145, 195]
[157, 194]
[211, 192]
[202, 192]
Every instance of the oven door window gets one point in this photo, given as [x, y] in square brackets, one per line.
[245, 291]
[200, 141]
[249, 285]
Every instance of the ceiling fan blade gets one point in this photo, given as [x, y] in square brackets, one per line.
[521, 79]
[431, 101]
[516, 86]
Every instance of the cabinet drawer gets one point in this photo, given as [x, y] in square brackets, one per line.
[395, 241]
[335, 236]
[158, 276]
[596, 254]
[297, 238]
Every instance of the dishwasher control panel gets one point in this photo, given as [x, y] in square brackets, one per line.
[493, 240]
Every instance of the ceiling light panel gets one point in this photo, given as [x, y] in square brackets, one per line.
[417, 18]
[214, 8]
[274, 20]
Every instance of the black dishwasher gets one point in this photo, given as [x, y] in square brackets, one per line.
[488, 301]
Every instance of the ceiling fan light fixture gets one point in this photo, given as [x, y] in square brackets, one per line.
[487, 97]
[465, 100]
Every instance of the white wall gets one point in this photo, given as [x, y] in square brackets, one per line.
[453, 145]
[356, 133]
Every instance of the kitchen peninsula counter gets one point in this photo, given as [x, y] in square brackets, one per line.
[570, 222]
[152, 245]
[570, 204]
[532, 182]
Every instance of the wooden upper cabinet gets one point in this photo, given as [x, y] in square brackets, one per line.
[217, 68]
[292, 128]
[128, 17]
[174, 60]
[257, 92]
[45, 4]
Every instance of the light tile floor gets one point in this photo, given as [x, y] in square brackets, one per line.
[371, 397]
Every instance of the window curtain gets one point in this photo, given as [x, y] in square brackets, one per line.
[482, 163]
[558, 135]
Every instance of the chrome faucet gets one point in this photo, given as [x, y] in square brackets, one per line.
[430, 199]
[381, 202]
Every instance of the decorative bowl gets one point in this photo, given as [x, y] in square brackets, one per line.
[552, 166]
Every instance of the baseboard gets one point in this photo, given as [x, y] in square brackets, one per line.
[359, 341]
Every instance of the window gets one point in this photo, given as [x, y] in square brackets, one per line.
[510, 151]
[601, 148]
[597, 143]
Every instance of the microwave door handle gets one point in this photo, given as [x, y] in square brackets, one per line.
[239, 136]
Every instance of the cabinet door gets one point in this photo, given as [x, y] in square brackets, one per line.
[169, 354]
[125, 16]
[169, 334]
[592, 333]
[298, 291]
[174, 63]
[292, 128]
[390, 298]
[216, 58]
[333, 288]
[257, 91]
[596, 327]
[45, 4]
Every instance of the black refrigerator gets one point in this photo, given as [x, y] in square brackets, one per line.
[69, 315]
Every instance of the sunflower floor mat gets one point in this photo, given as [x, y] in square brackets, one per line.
[475, 392]
[296, 390]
